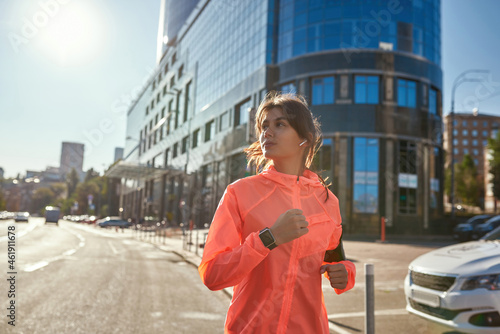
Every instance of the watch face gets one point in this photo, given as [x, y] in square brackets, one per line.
[267, 238]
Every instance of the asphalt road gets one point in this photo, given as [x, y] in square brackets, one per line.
[71, 280]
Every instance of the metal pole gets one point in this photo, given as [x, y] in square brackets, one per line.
[369, 299]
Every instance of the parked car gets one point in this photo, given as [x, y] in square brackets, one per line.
[463, 232]
[21, 217]
[485, 227]
[113, 221]
[458, 286]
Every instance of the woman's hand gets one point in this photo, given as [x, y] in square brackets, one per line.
[337, 273]
[289, 226]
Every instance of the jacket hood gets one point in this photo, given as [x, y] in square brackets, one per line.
[308, 178]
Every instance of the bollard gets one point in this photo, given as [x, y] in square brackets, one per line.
[369, 299]
[382, 229]
[196, 245]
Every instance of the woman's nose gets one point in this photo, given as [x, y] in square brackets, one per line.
[267, 133]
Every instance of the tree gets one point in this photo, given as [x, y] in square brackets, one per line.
[467, 187]
[3, 203]
[41, 198]
[72, 180]
[494, 147]
[91, 174]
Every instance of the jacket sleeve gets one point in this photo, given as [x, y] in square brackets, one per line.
[226, 258]
[335, 252]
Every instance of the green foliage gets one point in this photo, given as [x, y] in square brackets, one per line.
[494, 146]
[72, 180]
[41, 198]
[3, 202]
[467, 186]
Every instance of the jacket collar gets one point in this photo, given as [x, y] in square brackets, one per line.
[308, 178]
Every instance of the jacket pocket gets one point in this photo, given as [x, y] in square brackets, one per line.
[316, 241]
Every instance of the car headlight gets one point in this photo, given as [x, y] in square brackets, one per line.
[490, 282]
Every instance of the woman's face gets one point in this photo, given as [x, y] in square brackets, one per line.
[278, 140]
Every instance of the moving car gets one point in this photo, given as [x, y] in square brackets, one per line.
[113, 221]
[485, 227]
[21, 217]
[458, 286]
[52, 214]
[463, 232]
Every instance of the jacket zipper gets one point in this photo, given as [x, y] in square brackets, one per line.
[292, 271]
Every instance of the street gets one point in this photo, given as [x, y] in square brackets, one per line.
[76, 278]
[74, 281]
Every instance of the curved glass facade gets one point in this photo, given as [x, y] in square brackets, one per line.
[307, 26]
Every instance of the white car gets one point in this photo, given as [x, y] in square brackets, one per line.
[458, 286]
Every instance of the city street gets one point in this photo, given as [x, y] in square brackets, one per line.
[74, 281]
[76, 278]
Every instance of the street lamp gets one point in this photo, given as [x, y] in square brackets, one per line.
[458, 81]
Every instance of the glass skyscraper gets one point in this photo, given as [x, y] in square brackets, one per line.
[370, 70]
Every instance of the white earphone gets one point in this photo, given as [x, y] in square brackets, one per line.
[305, 141]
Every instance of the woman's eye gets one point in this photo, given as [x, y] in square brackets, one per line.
[281, 124]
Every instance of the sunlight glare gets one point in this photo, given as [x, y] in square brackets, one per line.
[74, 36]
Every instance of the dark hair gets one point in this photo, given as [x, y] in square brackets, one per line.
[297, 113]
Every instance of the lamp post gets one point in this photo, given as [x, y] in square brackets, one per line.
[458, 81]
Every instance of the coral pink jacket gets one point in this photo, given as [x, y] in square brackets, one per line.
[277, 291]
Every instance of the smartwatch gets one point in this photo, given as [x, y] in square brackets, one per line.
[267, 238]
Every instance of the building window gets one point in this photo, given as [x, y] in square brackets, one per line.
[485, 133]
[464, 123]
[209, 130]
[475, 151]
[166, 69]
[186, 101]
[455, 142]
[158, 97]
[485, 124]
[433, 101]
[465, 132]
[474, 142]
[465, 142]
[172, 81]
[147, 110]
[184, 145]
[474, 133]
[241, 112]
[323, 91]
[174, 153]
[365, 195]
[407, 93]
[456, 151]
[476, 162]
[485, 143]
[180, 72]
[224, 121]
[196, 136]
[174, 58]
[165, 160]
[407, 178]
[474, 123]
[366, 89]
[289, 88]
[455, 132]
[466, 151]
[165, 90]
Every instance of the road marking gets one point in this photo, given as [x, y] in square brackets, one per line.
[31, 226]
[201, 315]
[400, 311]
[337, 329]
[46, 262]
[112, 248]
[35, 266]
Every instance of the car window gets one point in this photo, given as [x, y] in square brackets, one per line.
[493, 235]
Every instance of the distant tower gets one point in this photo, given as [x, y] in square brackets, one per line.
[71, 157]
[118, 153]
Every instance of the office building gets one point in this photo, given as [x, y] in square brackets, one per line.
[71, 157]
[371, 71]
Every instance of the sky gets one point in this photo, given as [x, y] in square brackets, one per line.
[69, 69]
